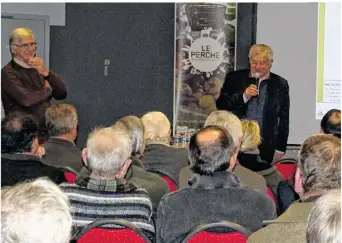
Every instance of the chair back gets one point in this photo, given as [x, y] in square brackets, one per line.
[170, 182]
[286, 167]
[200, 234]
[70, 177]
[93, 234]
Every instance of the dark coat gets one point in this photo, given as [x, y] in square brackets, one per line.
[276, 108]
[20, 167]
[211, 199]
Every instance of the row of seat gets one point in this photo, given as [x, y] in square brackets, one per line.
[131, 233]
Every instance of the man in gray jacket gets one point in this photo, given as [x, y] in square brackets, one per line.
[318, 171]
[215, 193]
[159, 155]
[232, 124]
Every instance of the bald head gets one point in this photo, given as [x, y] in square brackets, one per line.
[157, 127]
[210, 150]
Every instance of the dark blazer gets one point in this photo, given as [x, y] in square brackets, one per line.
[21, 167]
[268, 171]
[166, 159]
[276, 109]
[59, 152]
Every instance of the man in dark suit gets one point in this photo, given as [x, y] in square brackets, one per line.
[258, 94]
[60, 149]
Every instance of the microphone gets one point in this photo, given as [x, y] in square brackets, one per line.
[257, 80]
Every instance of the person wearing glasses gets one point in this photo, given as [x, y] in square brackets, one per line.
[258, 94]
[27, 85]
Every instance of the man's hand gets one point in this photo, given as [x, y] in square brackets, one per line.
[251, 91]
[47, 85]
[41, 151]
[277, 156]
[38, 64]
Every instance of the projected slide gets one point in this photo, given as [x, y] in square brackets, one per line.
[328, 88]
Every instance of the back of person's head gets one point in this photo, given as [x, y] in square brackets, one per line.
[324, 223]
[157, 127]
[250, 135]
[331, 123]
[211, 149]
[35, 212]
[61, 119]
[318, 165]
[108, 152]
[134, 127]
[19, 133]
[228, 121]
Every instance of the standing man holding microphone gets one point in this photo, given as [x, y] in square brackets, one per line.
[27, 85]
[258, 94]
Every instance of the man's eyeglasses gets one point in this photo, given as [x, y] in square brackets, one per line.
[27, 45]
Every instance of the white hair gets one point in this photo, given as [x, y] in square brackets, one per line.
[157, 127]
[228, 121]
[261, 50]
[19, 33]
[35, 212]
[324, 223]
[107, 151]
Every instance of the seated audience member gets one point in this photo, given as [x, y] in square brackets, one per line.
[214, 194]
[20, 158]
[249, 155]
[60, 149]
[35, 212]
[324, 223]
[232, 125]
[331, 123]
[134, 127]
[159, 155]
[155, 186]
[105, 193]
[318, 171]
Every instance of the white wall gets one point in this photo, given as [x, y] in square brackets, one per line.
[291, 30]
[56, 11]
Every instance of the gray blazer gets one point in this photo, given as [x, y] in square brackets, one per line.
[166, 159]
[59, 152]
[249, 178]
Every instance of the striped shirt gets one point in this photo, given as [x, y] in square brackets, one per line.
[92, 199]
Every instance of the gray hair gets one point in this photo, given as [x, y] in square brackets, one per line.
[228, 121]
[262, 50]
[157, 127]
[61, 119]
[35, 212]
[324, 223]
[320, 162]
[134, 127]
[107, 151]
[18, 33]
